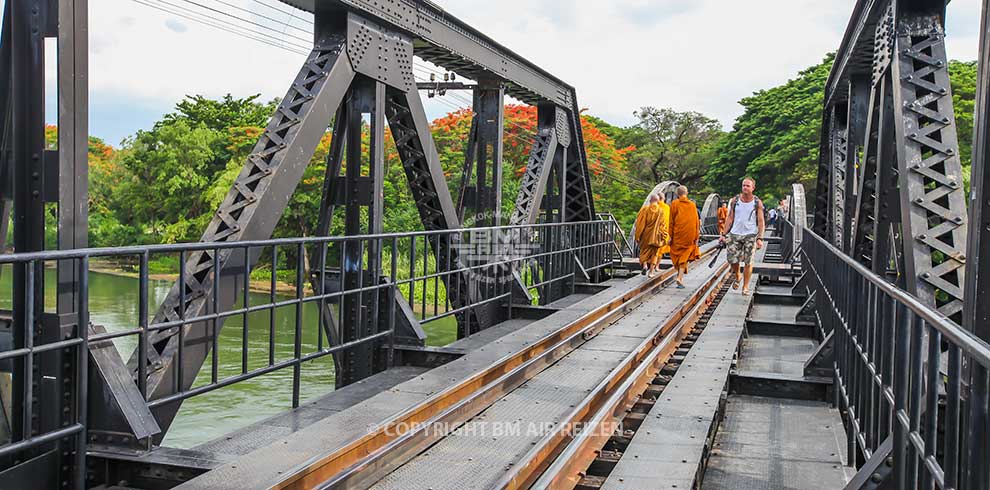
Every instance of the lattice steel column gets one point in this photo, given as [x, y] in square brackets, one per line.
[865, 225]
[250, 211]
[823, 183]
[976, 315]
[481, 182]
[933, 204]
[887, 253]
[837, 194]
[857, 113]
[551, 126]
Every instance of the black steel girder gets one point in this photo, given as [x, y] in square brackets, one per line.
[455, 45]
[976, 314]
[480, 192]
[250, 211]
[933, 202]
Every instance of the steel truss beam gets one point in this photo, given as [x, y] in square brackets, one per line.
[933, 204]
[823, 183]
[886, 253]
[5, 106]
[455, 45]
[857, 114]
[552, 133]
[420, 161]
[250, 211]
[880, 113]
[976, 313]
[837, 184]
[351, 53]
[481, 181]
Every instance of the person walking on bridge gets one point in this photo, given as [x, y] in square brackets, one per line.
[745, 226]
[651, 234]
[723, 214]
[665, 249]
[685, 230]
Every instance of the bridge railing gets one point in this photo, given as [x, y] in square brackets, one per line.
[910, 381]
[377, 280]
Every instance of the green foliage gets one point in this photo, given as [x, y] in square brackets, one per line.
[963, 78]
[775, 140]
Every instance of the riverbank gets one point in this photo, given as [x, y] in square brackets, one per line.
[261, 286]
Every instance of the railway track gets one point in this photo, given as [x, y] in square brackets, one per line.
[561, 457]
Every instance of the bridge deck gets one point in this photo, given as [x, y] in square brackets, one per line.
[670, 446]
[478, 455]
[777, 441]
[272, 457]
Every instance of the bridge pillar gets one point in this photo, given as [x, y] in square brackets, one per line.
[479, 201]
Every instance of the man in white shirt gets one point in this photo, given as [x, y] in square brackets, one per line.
[745, 226]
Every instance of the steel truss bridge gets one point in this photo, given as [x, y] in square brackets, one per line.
[861, 360]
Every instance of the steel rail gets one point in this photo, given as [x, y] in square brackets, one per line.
[557, 460]
[383, 449]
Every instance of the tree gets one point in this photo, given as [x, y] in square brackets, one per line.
[962, 76]
[674, 145]
[775, 140]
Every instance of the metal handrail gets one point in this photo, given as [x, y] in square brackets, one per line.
[951, 331]
[924, 421]
[77, 253]
[551, 252]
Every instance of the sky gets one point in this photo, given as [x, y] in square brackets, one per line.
[700, 55]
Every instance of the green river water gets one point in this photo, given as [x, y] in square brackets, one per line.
[113, 303]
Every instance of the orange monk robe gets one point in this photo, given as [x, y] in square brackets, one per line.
[651, 233]
[723, 215]
[684, 231]
[666, 246]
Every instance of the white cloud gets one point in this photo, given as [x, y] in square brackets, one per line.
[699, 55]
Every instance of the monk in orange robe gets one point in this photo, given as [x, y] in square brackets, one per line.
[723, 214]
[665, 249]
[651, 234]
[684, 233]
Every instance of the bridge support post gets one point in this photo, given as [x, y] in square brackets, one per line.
[933, 204]
[976, 313]
[479, 202]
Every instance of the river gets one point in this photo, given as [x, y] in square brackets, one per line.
[113, 302]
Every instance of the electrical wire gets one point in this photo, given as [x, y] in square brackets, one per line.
[226, 27]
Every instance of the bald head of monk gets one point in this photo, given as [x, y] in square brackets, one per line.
[682, 190]
[654, 198]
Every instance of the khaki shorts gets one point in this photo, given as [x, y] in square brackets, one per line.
[740, 248]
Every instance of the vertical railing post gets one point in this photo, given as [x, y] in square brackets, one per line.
[82, 376]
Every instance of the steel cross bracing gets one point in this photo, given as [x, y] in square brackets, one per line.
[448, 42]
[933, 204]
[839, 147]
[910, 220]
[352, 54]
